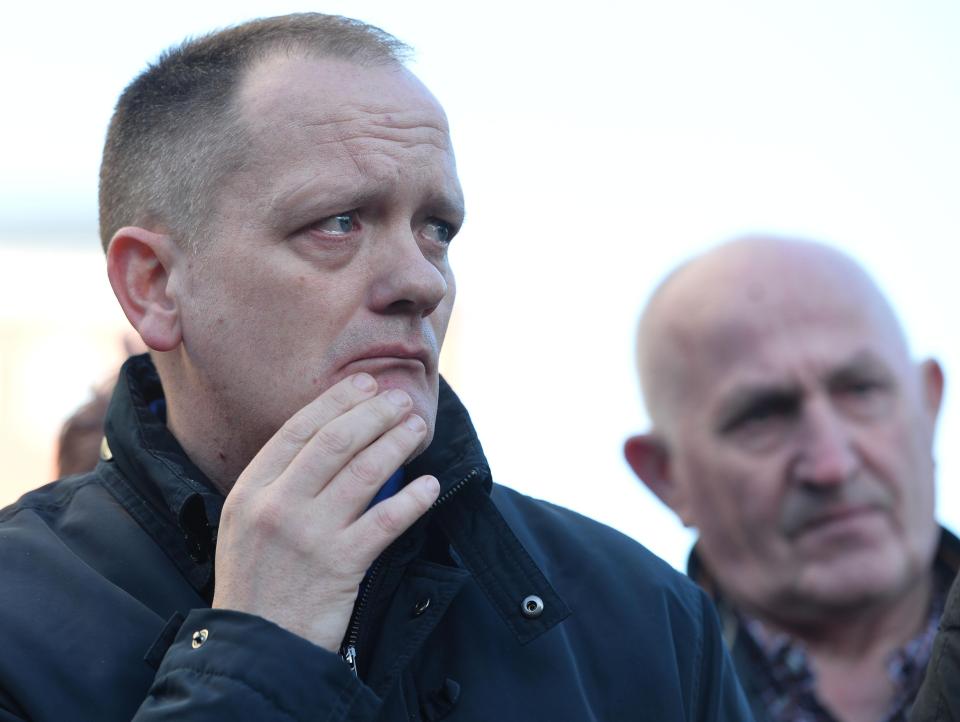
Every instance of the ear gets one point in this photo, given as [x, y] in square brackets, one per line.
[649, 458]
[931, 377]
[139, 264]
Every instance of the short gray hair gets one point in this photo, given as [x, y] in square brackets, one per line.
[175, 132]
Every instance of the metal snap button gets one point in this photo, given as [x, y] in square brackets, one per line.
[199, 637]
[421, 606]
[532, 606]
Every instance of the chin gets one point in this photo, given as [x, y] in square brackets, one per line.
[423, 445]
[856, 580]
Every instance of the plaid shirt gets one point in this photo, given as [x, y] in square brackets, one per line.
[775, 671]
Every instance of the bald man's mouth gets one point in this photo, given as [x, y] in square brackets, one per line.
[837, 519]
[815, 512]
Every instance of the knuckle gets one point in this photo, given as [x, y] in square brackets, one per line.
[400, 443]
[339, 397]
[385, 411]
[297, 431]
[270, 517]
[387, 519]
[365, 471]
[332, 442]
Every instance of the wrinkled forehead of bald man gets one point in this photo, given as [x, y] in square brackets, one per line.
[738, 296]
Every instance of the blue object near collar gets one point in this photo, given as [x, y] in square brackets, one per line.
[391, 487]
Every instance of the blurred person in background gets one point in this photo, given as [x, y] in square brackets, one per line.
[78, 445]
[792, 429]
[293, 517]
[80, 439]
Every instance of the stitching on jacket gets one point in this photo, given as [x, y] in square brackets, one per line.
[165, 681]
[699, 655]
[50, 505]
[490, 581]
[344, 702]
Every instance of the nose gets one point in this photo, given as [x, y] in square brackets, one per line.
[405, 281]
[826, 454]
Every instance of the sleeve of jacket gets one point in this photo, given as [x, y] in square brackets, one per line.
[721, 699]
[939, 696]
[226, 665]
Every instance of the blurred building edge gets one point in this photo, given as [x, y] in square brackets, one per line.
[78, 445]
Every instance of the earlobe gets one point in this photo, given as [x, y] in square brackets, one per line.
[139, 266]
[649, 458]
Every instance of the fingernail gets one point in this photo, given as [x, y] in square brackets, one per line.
[414, 423]
[398, 397]
[364, 382]
[431, 486]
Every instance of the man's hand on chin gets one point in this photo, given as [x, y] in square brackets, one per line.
[296, 536]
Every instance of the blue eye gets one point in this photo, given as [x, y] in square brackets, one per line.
[439, 231]
[338, 225]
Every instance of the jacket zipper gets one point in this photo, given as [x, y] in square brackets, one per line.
[348, 650]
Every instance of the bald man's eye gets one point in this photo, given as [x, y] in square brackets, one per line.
[763, 411]
[762, 425]
[863, 398]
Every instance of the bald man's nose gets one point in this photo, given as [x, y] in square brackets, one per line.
[826, 454]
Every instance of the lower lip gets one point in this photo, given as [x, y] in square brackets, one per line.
[382, 363]
[840, 523]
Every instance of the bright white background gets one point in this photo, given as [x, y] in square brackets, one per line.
[599, 144]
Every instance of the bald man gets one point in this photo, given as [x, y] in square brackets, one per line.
[791, 428]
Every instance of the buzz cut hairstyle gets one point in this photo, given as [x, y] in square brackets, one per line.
[176, 133]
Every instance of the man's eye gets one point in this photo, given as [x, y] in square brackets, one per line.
[338, 225]
[764, 412]
[860, 388]
[439, 231]
[863, 398]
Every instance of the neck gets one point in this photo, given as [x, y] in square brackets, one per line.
[849, 653]
[851, 635]
[216, 438]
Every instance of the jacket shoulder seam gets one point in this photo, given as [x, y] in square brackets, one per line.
[54, 505]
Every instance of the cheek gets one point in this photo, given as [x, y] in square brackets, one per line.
[251, 310]
[739, 498]
[440, 318]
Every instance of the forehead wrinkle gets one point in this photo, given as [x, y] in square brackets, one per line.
[365, 128]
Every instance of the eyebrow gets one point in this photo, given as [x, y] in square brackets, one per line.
[447, 204]
[744, 399]
[307, 200]
[862, 364]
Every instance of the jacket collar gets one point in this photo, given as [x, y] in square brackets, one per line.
[150, 460]
[140, 443]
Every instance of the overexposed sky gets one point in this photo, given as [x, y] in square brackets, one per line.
[599, 144]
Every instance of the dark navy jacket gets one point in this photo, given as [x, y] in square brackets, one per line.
[106, 581]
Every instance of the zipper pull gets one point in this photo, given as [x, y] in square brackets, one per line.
[350, 657]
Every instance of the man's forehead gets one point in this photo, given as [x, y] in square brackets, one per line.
[289, 89]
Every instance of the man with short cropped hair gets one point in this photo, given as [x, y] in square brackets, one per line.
[791, 428]
[292, 517]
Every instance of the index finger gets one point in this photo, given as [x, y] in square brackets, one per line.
[290, 438]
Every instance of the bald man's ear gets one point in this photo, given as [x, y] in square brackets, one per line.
[139, 264]
[931, 376]
[649, 458]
